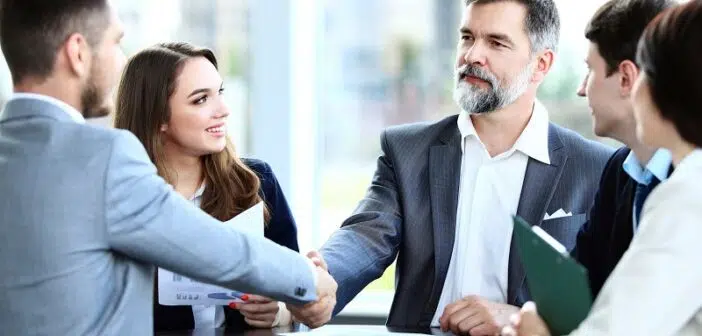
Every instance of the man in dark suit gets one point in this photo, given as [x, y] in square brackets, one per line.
[443, 193]
[633, 171]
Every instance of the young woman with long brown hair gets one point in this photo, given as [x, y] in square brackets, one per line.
[170, 97]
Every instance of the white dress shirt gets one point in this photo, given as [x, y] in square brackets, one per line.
[655, 288]
[70, 110]
[209, 316]
[489, 193]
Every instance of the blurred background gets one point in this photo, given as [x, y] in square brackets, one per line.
[312, 83]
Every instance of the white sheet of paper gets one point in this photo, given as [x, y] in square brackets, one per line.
[178, 290]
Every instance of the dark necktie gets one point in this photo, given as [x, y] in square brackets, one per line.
[642, 191]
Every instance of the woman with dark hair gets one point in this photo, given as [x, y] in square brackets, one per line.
[655, 288]
[170, 97]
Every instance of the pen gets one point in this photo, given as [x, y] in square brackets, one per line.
[233, 295]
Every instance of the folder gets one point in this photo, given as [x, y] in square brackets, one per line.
[558, 284]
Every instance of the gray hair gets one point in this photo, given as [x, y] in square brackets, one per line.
[542, 22]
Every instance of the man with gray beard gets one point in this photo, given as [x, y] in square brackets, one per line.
[477, 100]
[443, 193]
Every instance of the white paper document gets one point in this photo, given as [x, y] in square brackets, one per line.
[178, 290]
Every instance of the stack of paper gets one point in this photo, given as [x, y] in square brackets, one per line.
[178, 290]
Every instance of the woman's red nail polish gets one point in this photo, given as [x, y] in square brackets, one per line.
[245, 297]
[232, 305]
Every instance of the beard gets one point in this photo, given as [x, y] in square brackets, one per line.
[476, 100]
[93, 96]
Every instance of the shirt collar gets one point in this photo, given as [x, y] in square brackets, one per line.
[70, 110]
[657, 166]
[533, 141]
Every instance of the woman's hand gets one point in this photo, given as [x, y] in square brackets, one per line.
[262, 312]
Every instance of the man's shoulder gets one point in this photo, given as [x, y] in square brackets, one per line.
[61, 138]
[425, 131]
[85, 135]
[116, 146]
[112, 140]
[616, 161]
[121, 139]
[581, 148]
[614, 178]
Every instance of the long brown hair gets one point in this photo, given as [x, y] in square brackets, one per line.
[148, 81]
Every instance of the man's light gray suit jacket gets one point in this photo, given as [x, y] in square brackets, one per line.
[409, 212]
[85, 218]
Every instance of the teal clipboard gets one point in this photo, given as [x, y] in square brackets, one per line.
[558, 284]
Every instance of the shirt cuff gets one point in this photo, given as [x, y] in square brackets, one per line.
[283, 317]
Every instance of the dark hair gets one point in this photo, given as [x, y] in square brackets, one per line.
[148, 81]
[542, 22]
[669, 54]
[32, 31]
[617, 26]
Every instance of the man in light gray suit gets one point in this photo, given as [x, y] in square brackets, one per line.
[443, 193]
[85, 217]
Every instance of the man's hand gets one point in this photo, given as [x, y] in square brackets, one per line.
[318, 260]
[316, 314]
[326, 285]
[476, 317]
[526, 323]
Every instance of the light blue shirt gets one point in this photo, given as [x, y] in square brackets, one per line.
[658, 166]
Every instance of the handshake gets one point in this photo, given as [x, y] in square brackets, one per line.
[316, 314]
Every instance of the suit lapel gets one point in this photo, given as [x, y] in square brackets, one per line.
[444, 177]
[540, 182]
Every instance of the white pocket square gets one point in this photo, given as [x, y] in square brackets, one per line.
[558, 214]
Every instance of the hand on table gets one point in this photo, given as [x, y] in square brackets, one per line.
[475, 316]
